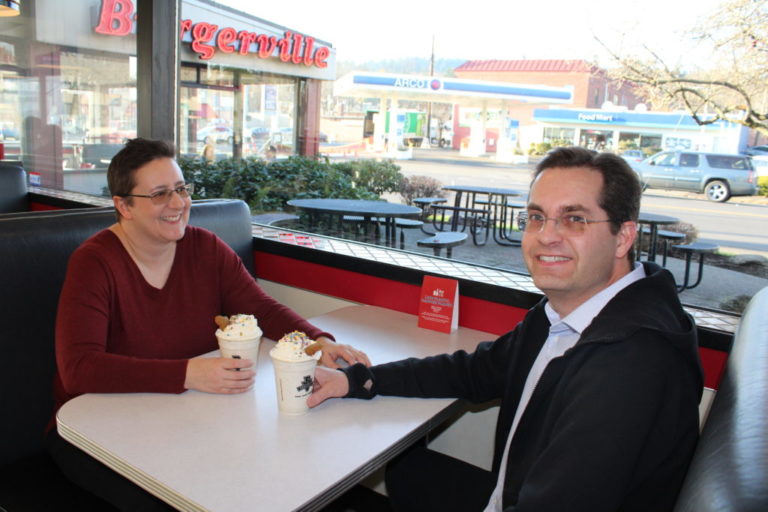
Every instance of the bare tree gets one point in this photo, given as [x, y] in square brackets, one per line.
[734, 87]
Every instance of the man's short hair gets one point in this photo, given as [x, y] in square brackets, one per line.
[621, 193]
[121, 174]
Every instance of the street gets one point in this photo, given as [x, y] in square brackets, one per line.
[735, 227]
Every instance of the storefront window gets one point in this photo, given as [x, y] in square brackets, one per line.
[66, 104]
[558, 136]
[212, 75]
[270, 115]
[649, 143]
[599, 140]
[68, 101]
[256, 118]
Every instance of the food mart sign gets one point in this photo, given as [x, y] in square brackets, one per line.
[117, 18]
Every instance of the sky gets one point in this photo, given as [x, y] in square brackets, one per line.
[490, 29]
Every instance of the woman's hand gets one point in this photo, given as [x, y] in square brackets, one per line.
[333, 351]
[219, 375]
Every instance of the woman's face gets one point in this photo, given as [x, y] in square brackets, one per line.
[159, 223]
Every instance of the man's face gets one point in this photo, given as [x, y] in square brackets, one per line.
[571, 267]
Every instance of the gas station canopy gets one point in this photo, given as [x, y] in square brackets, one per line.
[467, 93]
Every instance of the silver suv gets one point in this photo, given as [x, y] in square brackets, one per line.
[719, 176]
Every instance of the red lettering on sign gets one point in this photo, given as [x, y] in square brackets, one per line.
[298, 42]
[321, 55]
[202, 33]
[308, 51]
[184, 27]
[285, 47]
[116, 18]
[225, 38]
[267, 45]
[246, 40]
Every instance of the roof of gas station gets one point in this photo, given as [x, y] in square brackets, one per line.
[467, 93]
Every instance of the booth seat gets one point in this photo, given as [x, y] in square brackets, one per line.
[729, 471]
[35, 248]
[13, 188]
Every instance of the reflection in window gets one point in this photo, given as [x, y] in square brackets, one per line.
[256, 118]
[64, 112]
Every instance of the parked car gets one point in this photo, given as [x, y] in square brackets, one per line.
[718, 176]
[633, 156]
[219, 132]
[757, 151]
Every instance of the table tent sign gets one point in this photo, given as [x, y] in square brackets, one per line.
[439, 304]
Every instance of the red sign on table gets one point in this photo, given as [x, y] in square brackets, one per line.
[439, 304]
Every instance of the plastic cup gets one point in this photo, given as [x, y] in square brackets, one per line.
[293, 383]
[240, 349]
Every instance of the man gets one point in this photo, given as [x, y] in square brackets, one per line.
[599, 384]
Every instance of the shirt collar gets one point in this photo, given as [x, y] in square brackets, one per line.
[580, 318]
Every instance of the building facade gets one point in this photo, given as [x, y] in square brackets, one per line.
[592, 89]
[617, 130]
[68, 86]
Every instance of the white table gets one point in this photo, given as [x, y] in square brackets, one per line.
[200, 451]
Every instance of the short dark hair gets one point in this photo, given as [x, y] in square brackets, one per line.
[621, 193]
[121, 174]
[136, 153]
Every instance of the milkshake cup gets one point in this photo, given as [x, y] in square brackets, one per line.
[246, 348]
[294, 372]
[240, 339]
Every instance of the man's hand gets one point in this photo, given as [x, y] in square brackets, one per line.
[328, 384]
[333, 351]
[219, 375]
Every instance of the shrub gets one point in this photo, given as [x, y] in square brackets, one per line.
[209, 178]
[377, 177]
[267, 186]
[762, 183]
[540, 148]
[412, 187]
[735, 304]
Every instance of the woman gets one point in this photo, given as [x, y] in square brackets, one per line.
[139, 301]
[209, 150]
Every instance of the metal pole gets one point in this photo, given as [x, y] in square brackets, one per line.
[429, 103]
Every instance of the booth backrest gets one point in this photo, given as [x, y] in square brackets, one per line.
[13, 188]
[729, 471]
[35, 249]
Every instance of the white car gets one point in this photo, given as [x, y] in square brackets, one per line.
[219, 132]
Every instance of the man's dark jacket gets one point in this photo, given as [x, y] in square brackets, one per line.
[611, 424]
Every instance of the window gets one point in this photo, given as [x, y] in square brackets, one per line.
[559, 136]
[729, 162]
[664, 159]
[65, 111]
[689, 160]
[255, 119]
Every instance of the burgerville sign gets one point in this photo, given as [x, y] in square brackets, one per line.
[117, 18]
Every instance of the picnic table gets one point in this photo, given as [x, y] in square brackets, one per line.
[484, 210]
[653, 221]
[372, 212]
